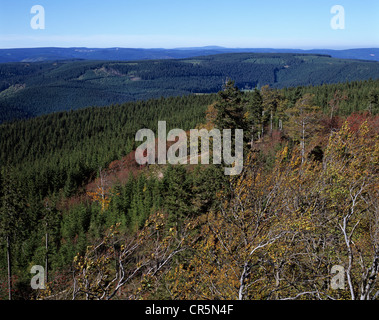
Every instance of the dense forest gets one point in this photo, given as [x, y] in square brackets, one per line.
[129, 54]
[32, 89]
[74, 201]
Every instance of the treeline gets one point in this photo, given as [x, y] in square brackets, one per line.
[354, 96]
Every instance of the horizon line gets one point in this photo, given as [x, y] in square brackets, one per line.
[210, 47]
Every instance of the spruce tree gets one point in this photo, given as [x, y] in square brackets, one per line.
[231, 108]
[255, 109]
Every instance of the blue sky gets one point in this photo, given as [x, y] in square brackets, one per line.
[301, 24]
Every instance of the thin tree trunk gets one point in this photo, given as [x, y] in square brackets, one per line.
[303, 143]
[271, 125]
[350, 256]
[9, 268]
[370, 278]
[252, 136]
[244, 275]
[263, 114]
[46, 255]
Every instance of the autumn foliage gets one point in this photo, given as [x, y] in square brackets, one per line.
[280, 232]
[305, 203]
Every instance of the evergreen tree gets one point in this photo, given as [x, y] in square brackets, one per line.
[373, 102]
[177, 194]
[69, 187]
[255, 109]
[231, 108]
[51, 220]
[207, 182]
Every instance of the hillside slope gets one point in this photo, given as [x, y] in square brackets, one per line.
[32, 89]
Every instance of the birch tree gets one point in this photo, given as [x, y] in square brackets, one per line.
[351, 169]
[128, 267]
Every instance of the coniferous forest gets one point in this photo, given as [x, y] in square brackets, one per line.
[33, 89]
[74, 200]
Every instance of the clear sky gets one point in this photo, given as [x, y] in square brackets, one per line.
[304, 24]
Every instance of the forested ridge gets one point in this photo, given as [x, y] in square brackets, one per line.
[307, 199]
[128, 54]
[32, 89]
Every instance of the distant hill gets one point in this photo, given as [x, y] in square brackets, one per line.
[32, 89]
[124, 54]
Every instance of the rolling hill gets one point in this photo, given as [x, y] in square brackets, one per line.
[31, 89]
[124, 54]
